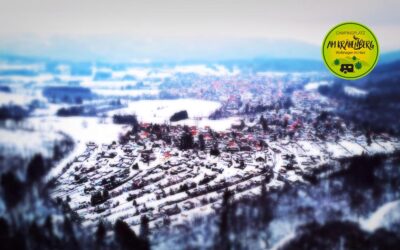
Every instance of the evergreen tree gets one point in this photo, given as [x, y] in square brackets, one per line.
[100, 235]
[127, 238]
[57, 152]
[36, 169]
[69, 234]
[144, 228]
[266, 206]
[5, 233]
[13, 189]
[223, 241]
[202, 144]
[215, 151]
[106, 194]
[36, 238]
[368, 136]
[48, 230]
[186, 141]
[264, 123]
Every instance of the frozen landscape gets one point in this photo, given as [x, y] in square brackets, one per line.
[167, 145]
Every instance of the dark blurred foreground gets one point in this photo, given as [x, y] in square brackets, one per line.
[323, 211]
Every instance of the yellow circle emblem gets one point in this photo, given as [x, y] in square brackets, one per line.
[350, 50]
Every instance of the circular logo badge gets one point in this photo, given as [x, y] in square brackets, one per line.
[350, 50]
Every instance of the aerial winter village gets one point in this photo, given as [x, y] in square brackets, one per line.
[174, 159]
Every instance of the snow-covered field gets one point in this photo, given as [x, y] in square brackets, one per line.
[15, 99]
[38, 131]
[126, 93]
[82, 129]
[159, 111]
[384, 216]
[27, 143]
[198, 69]
[353, 91]
[315, 85]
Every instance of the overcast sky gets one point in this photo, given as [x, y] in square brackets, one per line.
[303, 20]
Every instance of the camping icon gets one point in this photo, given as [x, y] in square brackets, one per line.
[347, 68]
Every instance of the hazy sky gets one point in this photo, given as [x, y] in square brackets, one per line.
[303, 20]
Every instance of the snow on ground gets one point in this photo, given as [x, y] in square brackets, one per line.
[37, 135]
[353, 147]
[217, 125]
[50, 109]
[57, 170]
[290, 236]
[314, 85]
[81, 129]
[39, 79]
[119, 207]
[217, 70]
[8, 66]
[27, 143]
[272, 73]
[140, 73]
[353, 91]
[106, 85]
[337, 150]
[127, 93]
[309, 148]
[384, 215]
[17, 99]
[159, 111]
[388, 146]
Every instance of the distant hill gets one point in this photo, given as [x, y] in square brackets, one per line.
[116, 49]
[389, 57]
[263, 59]
[379, 109]
[276, 64]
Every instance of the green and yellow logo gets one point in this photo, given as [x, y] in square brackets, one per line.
[350, 50]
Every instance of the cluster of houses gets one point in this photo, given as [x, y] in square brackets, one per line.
[169, 173]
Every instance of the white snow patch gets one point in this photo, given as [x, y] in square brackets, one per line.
[283, 241]
[27, 143]
[127, 93]
[217, 70]
[12, 98]
[384, 215]
[315, 85]
[159, 111]
[353, 91]
[8, 66]
[81, 129]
